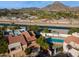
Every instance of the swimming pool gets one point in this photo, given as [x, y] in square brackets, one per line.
[52, 40]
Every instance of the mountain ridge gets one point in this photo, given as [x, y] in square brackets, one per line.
[59, 6]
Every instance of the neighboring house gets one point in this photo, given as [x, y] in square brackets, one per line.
[13, 18]
[13, 40]
[28, 37]
[15, 49]
[75, 34]
[17, 32]
[8, 32]
[72, 41]
[19, 42]
[35, 49]
[33, 17]
[11, 32]
[22, 29]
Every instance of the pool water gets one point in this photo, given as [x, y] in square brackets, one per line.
[57, 40]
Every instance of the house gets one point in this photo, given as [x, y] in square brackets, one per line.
[28, 37]
[8, 32]
[15, 49]
[11, 32]
[16, 45]
[16, 32]
[22, 29]
[19, 42]
[73, 42]
[33, 17]
[35, 48]
[75, 34]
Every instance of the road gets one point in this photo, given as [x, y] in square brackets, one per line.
[25, 22]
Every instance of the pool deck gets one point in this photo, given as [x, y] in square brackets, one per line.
[62, 38]
[52, 35]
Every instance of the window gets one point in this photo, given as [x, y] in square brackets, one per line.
[13, 49]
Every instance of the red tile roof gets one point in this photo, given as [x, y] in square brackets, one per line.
[73, 39]
[28, 36]
[19, 38]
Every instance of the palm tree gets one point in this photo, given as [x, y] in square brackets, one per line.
[41, 41]
[44, 45]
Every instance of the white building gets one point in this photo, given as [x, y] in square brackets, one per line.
[73, 41]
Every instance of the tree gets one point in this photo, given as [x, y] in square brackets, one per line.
[34, 28]
[55, 32]
[41, 41]
[1, 34]
[28, 51]
[72, 30]
[3, 44]
[17, 27]
[46, 30]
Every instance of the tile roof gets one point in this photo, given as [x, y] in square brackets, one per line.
[72, 39]
[23, 38]
[14, 39]
[28, 36]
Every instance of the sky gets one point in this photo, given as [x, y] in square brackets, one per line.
[40, 4]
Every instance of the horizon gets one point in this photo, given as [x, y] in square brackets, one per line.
[37, 4]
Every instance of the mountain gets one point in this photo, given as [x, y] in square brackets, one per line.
[75, 8]
[58, 6]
